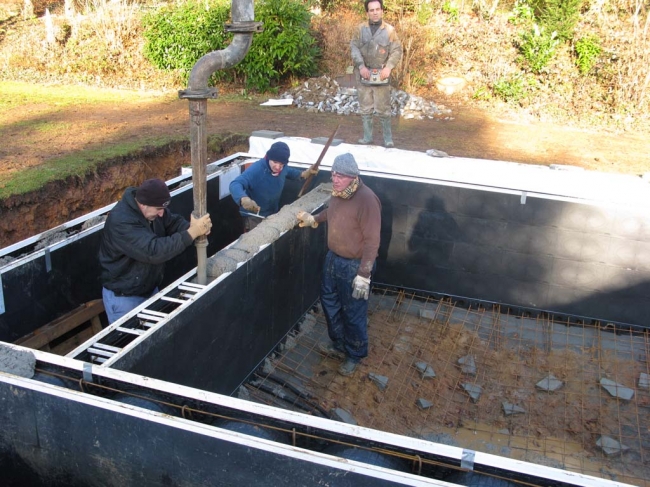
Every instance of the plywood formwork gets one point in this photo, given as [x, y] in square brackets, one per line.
[511, 354]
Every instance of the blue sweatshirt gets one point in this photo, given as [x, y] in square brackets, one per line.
[259, 184]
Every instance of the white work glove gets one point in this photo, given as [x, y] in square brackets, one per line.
[249, 205]
[361, 287]
[306, 219]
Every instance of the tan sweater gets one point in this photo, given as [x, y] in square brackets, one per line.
[353, 227]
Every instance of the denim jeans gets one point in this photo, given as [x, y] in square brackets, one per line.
[347, 317]
[118, 306]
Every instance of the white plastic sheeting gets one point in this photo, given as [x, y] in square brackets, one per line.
[555, 181]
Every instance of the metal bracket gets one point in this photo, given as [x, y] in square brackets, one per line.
[2, 297]
[48, 260]
[467, 459]
[203, 94]
[523, 197]
[88, 372]
[245, 27]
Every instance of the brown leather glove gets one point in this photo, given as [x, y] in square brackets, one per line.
[199, 226]
[249, 205]
[306, 219]
[308, 172]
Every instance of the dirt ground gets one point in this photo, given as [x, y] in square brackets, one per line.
[558, 428]
[467, 133]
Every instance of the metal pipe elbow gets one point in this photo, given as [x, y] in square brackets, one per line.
[242, 11]
[216, 60]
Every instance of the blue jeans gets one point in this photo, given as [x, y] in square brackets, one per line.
[118, 306]
[347, 318]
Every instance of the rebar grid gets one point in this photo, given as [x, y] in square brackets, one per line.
[511, 354]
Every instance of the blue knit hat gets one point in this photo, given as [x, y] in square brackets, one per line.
[279, 152]
[346, 165]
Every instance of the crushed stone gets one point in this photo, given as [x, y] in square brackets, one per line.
[325, 95]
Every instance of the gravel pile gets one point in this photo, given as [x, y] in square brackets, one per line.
[324, 94]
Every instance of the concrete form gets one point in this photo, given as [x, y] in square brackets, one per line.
[507, 263]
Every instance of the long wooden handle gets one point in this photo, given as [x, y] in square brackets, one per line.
[303, 190]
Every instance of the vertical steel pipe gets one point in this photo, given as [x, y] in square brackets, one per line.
[198, 92]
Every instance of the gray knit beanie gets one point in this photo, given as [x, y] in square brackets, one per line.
[346, 165]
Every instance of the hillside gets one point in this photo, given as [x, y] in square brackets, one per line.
[597, 78]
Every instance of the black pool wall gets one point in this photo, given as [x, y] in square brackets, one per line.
[533, 253]
[51, 441]
[224, 335]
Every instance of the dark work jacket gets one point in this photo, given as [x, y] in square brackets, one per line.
[133, 252]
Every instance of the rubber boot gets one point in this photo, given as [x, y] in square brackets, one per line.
[367, 129]
[388, 134]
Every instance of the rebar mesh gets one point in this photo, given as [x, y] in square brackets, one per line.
[505, 357]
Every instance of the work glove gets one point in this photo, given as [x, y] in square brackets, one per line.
[308, 172]
[249, 205]
[361, 287]
[199, 226]
[306, 220]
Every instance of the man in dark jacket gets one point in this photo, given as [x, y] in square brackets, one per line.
[258, 189]
[140, 235]
[354, 223]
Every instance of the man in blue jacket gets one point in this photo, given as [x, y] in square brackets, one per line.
[140, 235]
[258, 189]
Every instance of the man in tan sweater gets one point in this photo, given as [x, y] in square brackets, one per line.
[353, 225]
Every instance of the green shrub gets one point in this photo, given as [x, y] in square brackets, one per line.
[177, 36]
[587, 52]
[522, 13]
[287, 46]
[451, 9]
[538, 47]
[481, 94]
[425, 13]
[510, 89]
[559, 16]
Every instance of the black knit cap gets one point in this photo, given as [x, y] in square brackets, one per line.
[279, 152]
[153, 192]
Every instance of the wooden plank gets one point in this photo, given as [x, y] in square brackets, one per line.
[96, 324]
[62, 325]
[73, 342]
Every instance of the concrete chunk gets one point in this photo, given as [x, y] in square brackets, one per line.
[17, 362]
[427, 314]
[425, 369]
[549, 383]
[339, 414]
[380, 380]
[242, 393]
[509, 408]
[610, 446]
[617, 390]
[268, 134]
[473, 390]
[323, 141]
[644, 381]
[423, 403]
[467, 365]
